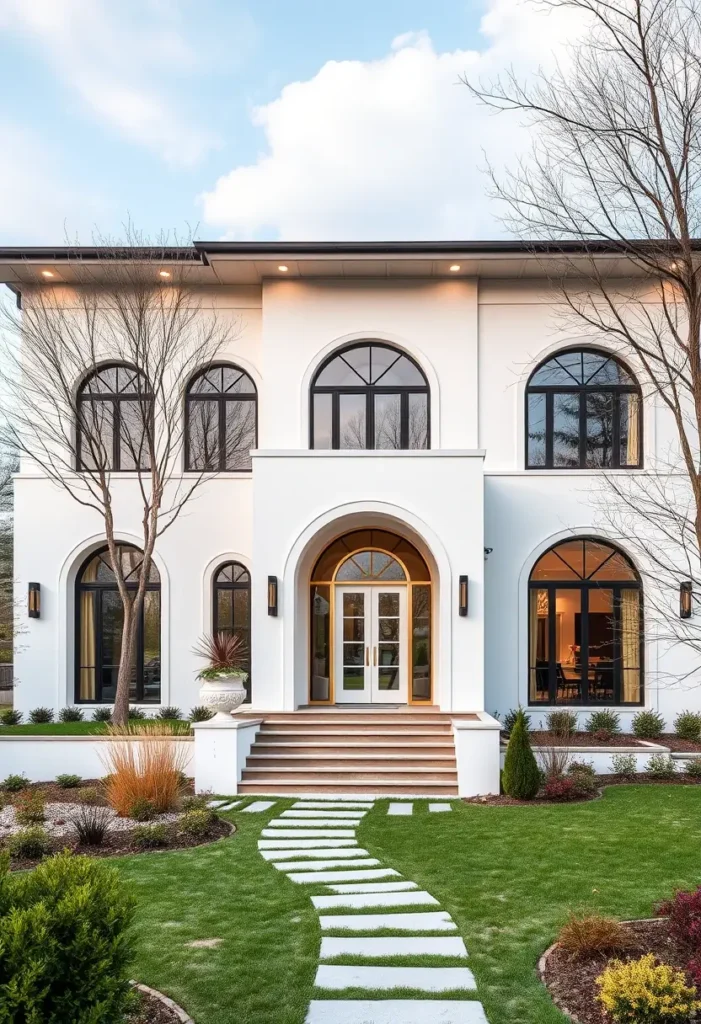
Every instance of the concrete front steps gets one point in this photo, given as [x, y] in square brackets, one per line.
[337, 751]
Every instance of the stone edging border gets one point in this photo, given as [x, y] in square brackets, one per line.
[543, 961]
[182, 1016]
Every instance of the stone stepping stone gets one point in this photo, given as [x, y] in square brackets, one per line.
[316, 833]
[336, 797]
[307, 844]
[259, 805]
[324, 865]
[315, 805]
[373, 887]
[439, 807]
[368, 946]
[425, 979]
[323, 854]
[395, 1011]
[216, 803]
[375, 899]
[343, 876]
[323, 814]
[435, 921]
[230, 807]
[313, 822]
[400, 809]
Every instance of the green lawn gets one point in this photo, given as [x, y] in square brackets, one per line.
[56, 729]
[508, 875]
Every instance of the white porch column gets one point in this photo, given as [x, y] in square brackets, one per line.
[478, 754]
[221, 749]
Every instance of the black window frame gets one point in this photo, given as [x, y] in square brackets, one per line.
[116, 398]
[221, 398]
[369, 391]
[218, 585]
[584, 389]
[101, 587]
[585, 587]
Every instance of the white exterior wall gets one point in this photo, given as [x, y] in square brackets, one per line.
[477, 342]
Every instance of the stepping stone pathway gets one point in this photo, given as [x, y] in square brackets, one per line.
[314, 843]
[259, 805]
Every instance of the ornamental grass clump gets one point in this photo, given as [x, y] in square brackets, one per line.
[225, 652]
[644, 992]
[144, 763]
[521, 777]
[70, 715]
[41, 716]
[593, 936]
[67, 947]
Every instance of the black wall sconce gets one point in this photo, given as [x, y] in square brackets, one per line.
[34, 600]
[272, 595]
[462, 596]
[685, 599]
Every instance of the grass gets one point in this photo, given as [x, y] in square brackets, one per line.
[508, 875]
[56, 729]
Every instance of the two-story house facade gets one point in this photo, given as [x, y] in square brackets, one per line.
[414, 516]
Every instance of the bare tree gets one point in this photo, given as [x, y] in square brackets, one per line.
[8, 617]
[610, 193]
[96, 373]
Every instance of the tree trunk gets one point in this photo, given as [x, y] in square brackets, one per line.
[120, 713]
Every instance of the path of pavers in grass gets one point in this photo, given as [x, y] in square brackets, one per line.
[346, 883]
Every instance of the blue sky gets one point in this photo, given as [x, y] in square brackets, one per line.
[272, 119]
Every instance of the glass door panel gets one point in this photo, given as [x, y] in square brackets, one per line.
[353, 644]
[390, 645]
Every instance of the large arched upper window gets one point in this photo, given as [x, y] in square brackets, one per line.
[220, 420]
[99, 620]
[370, 395]
[583, 411]
[232, 606]
[585, 626]
[115, 420]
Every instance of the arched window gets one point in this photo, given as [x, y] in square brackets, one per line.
[585, 626]
[232, 606]
[115, 420]
[220, 420]
[99, 620]
[370, 395]
[583, 411]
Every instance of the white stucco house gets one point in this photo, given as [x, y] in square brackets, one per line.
[414, 525]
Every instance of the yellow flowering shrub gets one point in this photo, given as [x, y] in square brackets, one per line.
[641, 992]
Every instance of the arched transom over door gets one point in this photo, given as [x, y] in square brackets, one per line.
[370, 616]
[585, 626]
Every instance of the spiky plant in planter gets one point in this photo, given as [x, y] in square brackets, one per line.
[223, 680]
[521, 776]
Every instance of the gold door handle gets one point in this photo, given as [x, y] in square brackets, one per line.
[367, 655]
[374, 655]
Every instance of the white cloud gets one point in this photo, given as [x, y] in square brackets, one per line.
[109, 54]
[391, 148]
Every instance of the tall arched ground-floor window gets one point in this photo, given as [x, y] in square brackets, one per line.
[370, 615]
[99, 621]
[585, 624]
[232, 607]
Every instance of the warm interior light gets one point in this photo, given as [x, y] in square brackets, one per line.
[283, 268]
[47, 273]
[455, 267]
[164, 273]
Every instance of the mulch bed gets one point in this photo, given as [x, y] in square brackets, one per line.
[679, 746]
[152, 1011]
[572, 981]
[509, 801]
[680, 779]
[587, 739]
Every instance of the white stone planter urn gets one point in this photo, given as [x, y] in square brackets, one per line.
[225, 693]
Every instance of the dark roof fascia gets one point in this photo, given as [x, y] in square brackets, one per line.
[56, 254]
[502, 247]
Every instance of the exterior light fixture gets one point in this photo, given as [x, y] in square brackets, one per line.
[283, 268]
[164, 273]
[462, 596]
[34, 600]
[685, 598]
[455, 267]
[272, 595]
[47, 273]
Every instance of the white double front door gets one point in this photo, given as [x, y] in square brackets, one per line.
[371, 646]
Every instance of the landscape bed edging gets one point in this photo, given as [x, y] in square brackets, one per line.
[182, 1016]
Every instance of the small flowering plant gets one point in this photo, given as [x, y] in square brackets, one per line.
[227, 654]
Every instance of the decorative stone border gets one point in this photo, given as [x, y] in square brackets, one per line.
[177, 1010]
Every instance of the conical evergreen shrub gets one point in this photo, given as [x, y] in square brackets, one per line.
[521, 778]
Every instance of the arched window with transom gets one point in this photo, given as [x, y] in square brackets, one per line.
[585, 626]
[221, 420]
[583, 411]
[370, 395]
[99, 621]
[114, 430]
[231, 606]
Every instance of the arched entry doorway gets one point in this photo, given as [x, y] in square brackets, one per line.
[370, 616]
